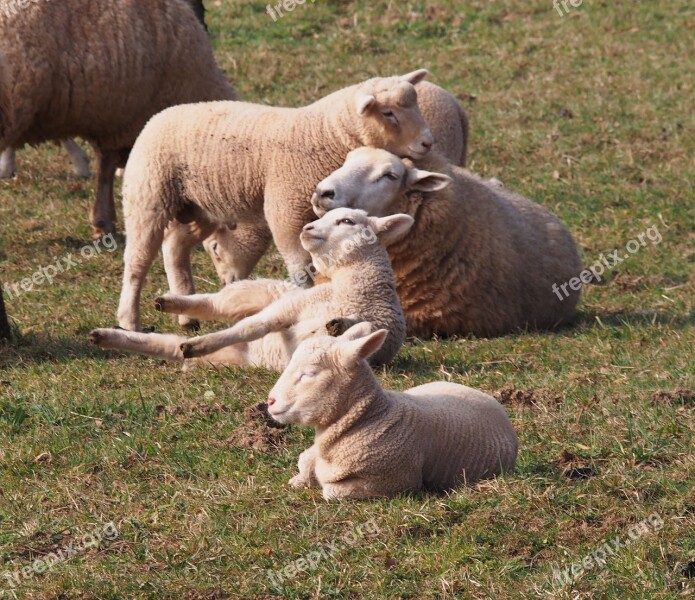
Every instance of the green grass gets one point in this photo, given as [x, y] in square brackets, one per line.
[590, 114]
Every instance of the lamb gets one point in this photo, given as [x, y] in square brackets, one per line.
[236, 250]
[371, 442]
[234, 162]
[479, 260]
[79, 67]
[346, 247]
[80, 160]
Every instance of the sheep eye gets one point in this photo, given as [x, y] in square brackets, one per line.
[305, 375]
[213, 247]
[346, 222]
[390, 115]
[391, 176]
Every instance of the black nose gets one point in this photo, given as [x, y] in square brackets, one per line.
[328, 194]
[427, 145]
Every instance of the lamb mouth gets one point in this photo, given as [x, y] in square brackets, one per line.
[308, 236]
[417, 153]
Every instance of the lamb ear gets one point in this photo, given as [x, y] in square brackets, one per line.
[416, 76]
[364, 102]
[392, 228]
[360, 330]
[426, 181]
[363, 347]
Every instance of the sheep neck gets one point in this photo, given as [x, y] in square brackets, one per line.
[357, 276]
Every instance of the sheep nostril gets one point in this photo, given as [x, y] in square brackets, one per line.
[328, 194]
[271, 401]
[308, 227]
[427, 145]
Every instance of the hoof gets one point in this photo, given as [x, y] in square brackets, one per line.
[95, 337]
[101, 229]
[192, 326]
[148, 330]
[159, 304]
[186, 350]
[337, 327]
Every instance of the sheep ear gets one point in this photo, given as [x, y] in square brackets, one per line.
[416, 76]
[426, 181]
[364, 103]
[365, 346]
[357, 331]
[392, 228]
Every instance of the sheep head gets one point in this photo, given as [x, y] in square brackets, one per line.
[389, 117]
[319, 384]
[344, 235]
[373, 180]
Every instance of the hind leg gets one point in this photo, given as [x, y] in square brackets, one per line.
[80, 160]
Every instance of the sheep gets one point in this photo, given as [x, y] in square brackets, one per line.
[235, 162]
[479, 261]
[346, 247]
[100, 69]
[80, 160]
[372, 442]
[235, 251]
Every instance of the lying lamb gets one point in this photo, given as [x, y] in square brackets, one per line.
[235, 162]
[479, 260]
[100, 69]
[236, 249]
[373, 442]
[344, 247]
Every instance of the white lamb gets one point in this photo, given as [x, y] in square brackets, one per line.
[372, 442]
[235, 162]
[480, 260]
[346, 247]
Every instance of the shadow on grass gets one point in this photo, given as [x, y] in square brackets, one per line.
[586, 320]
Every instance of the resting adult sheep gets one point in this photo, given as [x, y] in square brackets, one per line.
[235, 162]
[100, 69]
[479, 260]
[372, 442]
[346, 247]
[236, 250]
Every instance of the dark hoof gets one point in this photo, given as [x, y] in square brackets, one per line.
[186, 350]
[148, 330]
[192, 326]
[337, 327]
[159, 304]
[95, 337]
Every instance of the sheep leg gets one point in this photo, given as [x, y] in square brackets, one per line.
[103, 213]
[79, 158]
[349, 488]
[233, 303]
[179, 241]
[279, 315]
[143, 240]
[307, 473]
[164, 346]
[8, 163]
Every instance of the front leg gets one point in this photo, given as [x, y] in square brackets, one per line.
[178, 244]
[307, 473]
[276, 317]
[152, 344]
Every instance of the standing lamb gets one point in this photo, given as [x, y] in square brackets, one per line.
[371, 442]
[234, 162]
[101, 69]
[236, 250]
[345, 247]
[479, 260]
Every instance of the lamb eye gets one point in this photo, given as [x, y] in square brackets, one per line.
[346, 222]
[388, 114]
[391, 176]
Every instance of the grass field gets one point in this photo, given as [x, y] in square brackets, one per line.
[591, 114]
